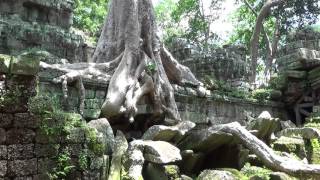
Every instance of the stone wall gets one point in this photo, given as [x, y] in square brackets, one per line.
[54, 12]
[216, 109]
[28, 150]
[41, 24]
[227, 64]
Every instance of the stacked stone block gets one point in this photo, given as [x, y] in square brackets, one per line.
[226, 64]
[41, 24]
[26, 152]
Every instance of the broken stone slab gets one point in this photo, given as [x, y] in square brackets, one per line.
[291, 145]
[139, 151]
[168, 133]
[205, 139]
[280, 176]
[161, 152]
[305, 132]
[5, 61]
[296, 74]
[119, 149]
[103, 126]
[25, 64]
[162, 172]
[133, 164]
[191, 162]
[287, 124]
[216, 175]
[264, 126]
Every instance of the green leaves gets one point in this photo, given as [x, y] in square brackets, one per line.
[89, 15]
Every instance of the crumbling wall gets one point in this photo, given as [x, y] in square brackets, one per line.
[29, 146]
[41, 24]
[227, 64]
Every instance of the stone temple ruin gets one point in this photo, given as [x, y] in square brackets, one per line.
[42, 133]
[40, 24]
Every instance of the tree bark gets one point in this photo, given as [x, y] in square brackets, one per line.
[268, 156]
[256, 33]
[135, 61]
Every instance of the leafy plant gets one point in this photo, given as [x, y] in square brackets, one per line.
[89, 15]
[261, 94]
[151, 67]
[63, 167]
[83, 160]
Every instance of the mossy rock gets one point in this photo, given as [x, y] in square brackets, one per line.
[5, 61]
[290, 145]
[313, 151]
[25, 64]
[254, 172]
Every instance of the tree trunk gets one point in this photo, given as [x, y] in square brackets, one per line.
[268, 156]
[256, 33]
[143, 67]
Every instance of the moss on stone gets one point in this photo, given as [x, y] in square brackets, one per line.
[250, 171]
[290, 145]
[235, 172]
[5, 61]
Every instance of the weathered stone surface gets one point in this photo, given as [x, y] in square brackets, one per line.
[3, 168]
[305, 132]
[5, 120]
[20, 136]
[161, 152]
[291, 145]
[46, 150]
[216, 175]
[25, 120]
[168, 133]
[25, 65]
[264, 126]
[119, 149]
[19, 151]
[279, 176]
[191, 162]
[76, 135]
[204, 139]
[2, 136]
[22, 167]
[133, 164]
[287, 124]
[165, 172]
[3, 152]
[45, 165]
[5, 61]
[103, 126]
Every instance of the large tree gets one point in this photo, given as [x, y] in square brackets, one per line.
[130, 51]
[130, 55]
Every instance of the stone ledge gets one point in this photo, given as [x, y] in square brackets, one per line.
[21, 65]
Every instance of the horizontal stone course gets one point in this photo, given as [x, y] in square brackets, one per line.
[22, 167]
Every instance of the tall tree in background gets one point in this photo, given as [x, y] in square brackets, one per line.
[188, 19]
[260, 25]
[288, 14]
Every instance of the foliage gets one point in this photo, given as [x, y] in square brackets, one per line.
[250, 171]
[261, 94]
[89, 15]
[170, 29]
[151, 68]
[63, 167]
[56, 123]
[189, 20]
[83, 160]
[235, 172]
[278, 82]
[9, 98]
[94, 145]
